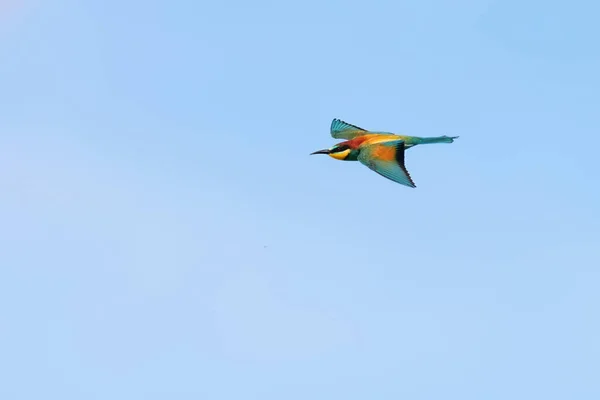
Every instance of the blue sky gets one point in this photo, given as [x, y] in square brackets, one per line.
[165, 233]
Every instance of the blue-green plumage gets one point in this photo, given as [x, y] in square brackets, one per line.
[383, 152]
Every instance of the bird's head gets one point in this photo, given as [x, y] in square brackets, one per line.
[340, 151]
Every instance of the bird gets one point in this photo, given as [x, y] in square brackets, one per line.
[382, 152]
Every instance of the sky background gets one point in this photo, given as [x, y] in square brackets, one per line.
[165, 234]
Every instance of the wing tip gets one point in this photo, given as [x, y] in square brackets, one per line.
[410, 179]
[339, 125]
[334, 122]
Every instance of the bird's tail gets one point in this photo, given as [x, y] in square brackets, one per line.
[438, 139]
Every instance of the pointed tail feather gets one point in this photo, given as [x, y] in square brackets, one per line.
[438, 139]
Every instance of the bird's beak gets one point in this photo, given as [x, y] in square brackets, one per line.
[326, 151]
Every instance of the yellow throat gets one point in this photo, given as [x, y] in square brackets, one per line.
[340, 155]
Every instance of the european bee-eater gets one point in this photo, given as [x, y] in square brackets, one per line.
[383, 152]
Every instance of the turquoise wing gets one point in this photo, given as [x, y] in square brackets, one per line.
[387, 159]
[343, 130]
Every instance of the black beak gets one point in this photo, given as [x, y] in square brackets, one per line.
[326, 151]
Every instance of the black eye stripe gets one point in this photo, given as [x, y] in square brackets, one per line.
[339, 149]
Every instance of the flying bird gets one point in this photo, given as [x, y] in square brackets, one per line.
[383, 152]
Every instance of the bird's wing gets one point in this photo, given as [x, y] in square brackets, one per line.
[387, 159]
[343, 130]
